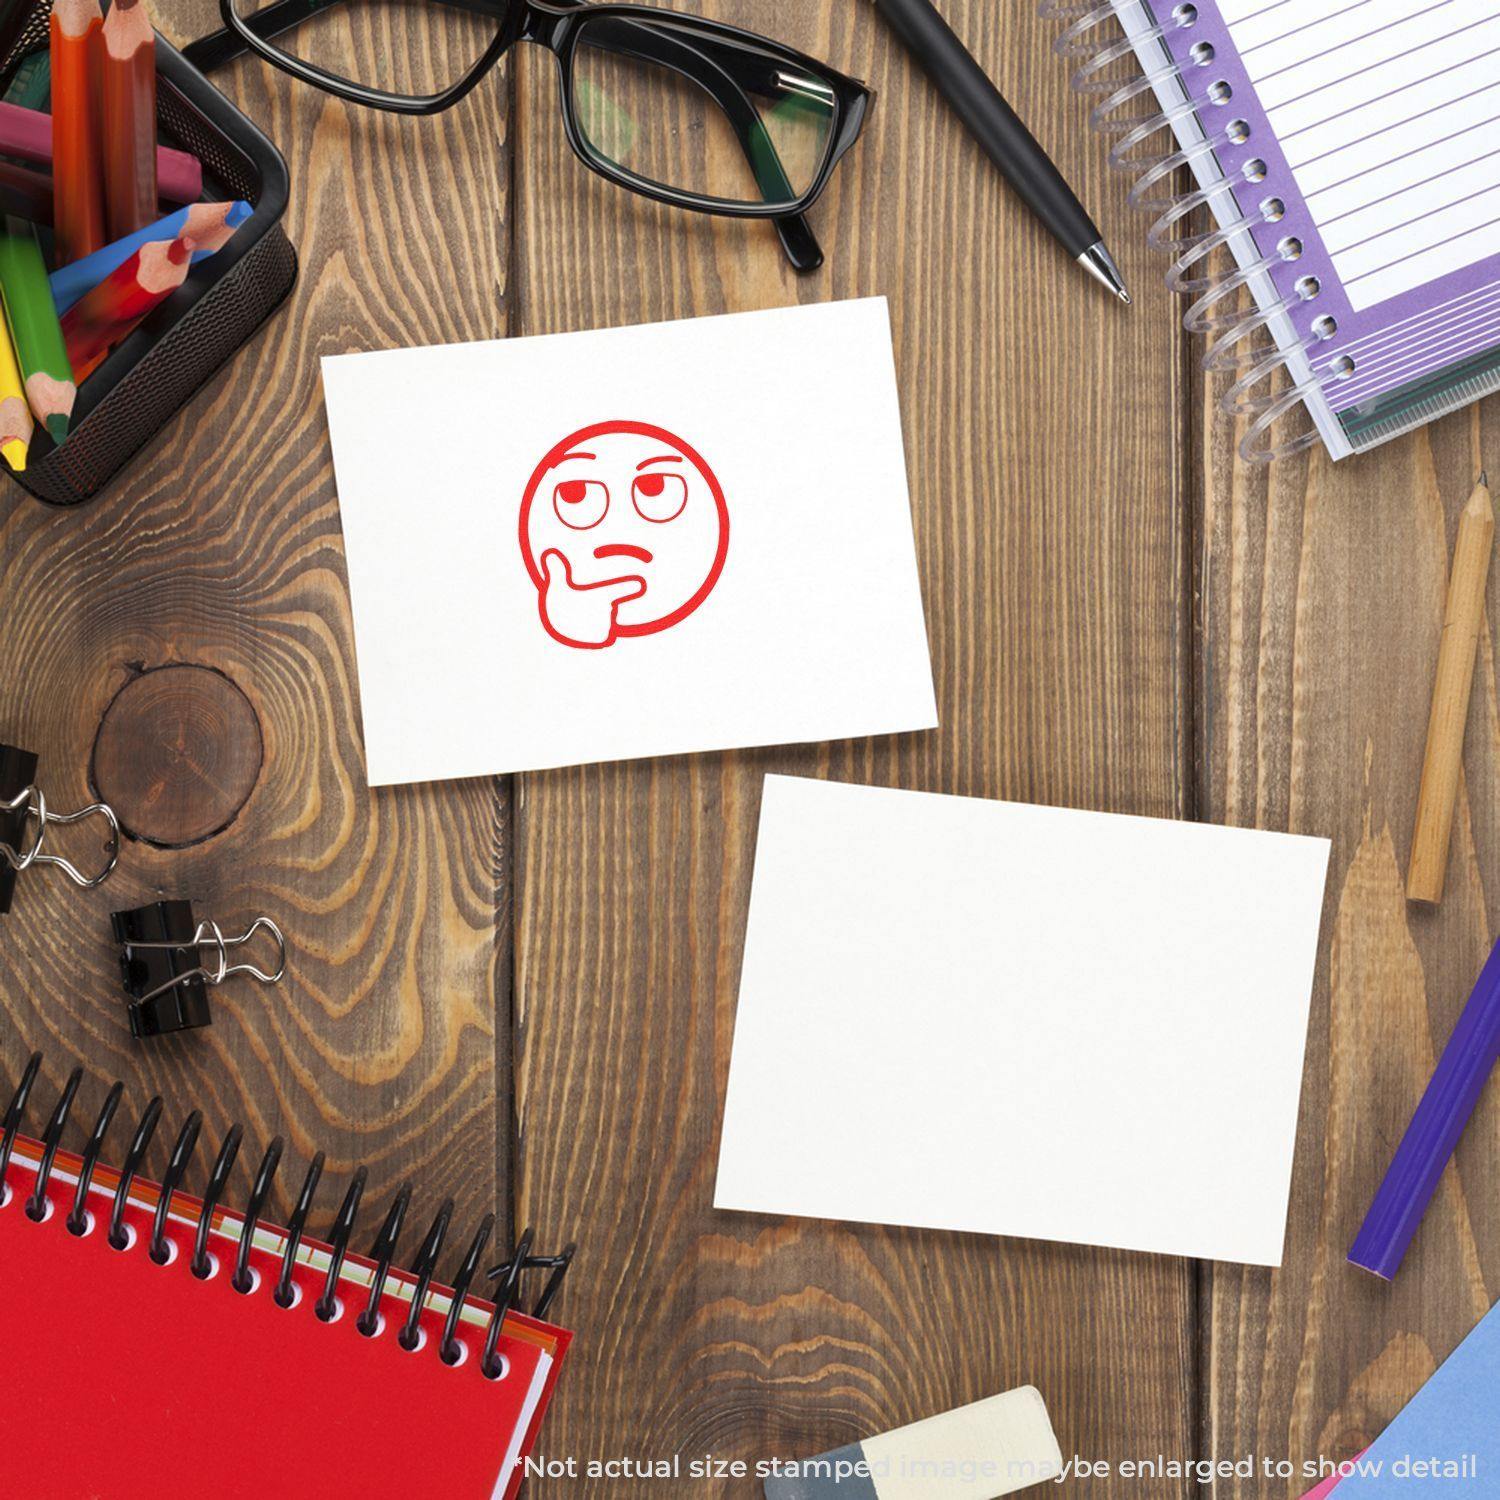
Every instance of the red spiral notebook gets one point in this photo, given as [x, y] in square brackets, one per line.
[128, 1379]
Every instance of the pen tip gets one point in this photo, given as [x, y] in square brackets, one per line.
[1099, 263]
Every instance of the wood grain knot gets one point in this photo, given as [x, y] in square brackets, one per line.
[178, 752]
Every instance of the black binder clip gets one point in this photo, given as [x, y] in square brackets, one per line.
[161, 958]
[25, 820]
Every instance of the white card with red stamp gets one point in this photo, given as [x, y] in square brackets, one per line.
[638, 541]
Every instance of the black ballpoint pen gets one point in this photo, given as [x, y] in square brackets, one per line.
[998, 129]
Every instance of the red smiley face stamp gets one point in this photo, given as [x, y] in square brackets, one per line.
[624, 532]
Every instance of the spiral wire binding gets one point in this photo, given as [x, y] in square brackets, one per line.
[243, 1280]
[202, 1263]
[118, 1238]
[33, 802]
[328, 1308]
[285, 1293]
[177, 1164]
[77, 1222]
[1215, 310]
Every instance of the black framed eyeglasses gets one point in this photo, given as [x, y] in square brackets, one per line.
[679, 109]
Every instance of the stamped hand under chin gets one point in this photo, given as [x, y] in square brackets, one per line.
[582, 615]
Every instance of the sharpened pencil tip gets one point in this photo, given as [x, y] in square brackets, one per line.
[57, 427]
[15, 454]
[1484, 478]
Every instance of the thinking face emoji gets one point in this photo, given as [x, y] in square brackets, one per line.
[624, 531]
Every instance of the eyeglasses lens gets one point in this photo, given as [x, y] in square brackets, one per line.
[674, 107]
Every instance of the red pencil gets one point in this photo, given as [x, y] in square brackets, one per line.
[79, 189]
[98, 321]
[129, 118]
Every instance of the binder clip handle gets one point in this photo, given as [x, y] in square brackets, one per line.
[31, 805]
[210, 934]
[169, 962]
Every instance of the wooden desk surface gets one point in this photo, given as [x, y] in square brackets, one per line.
[521, 991]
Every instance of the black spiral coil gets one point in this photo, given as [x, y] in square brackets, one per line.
[383, 1252]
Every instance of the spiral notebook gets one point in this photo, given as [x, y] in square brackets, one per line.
[1349, 152]
[133, 1378]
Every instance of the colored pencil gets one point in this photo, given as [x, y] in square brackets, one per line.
[34, 329]
[16, 425]
[1433, 1135]
[1463, 619]
[129, 118]
[209, 225]
[25, 193]
[96, 323]
[76, 169]
[26, 134]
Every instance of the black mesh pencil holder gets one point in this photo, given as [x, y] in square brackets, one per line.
[165, 362]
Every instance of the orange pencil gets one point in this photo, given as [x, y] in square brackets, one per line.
[98, 321]
[129, 90]
[78, 179]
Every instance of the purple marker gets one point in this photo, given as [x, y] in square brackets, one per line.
[1431, 1138]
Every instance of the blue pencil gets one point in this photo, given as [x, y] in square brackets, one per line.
[209, 224]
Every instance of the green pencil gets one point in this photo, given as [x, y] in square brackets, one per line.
[34, 328]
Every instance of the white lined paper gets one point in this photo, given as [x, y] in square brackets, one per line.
[1389, 113]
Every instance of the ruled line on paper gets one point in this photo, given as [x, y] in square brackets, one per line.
[1439, 343]
[1385, 102]
[1255, 15]
[1388, 161]
[1462, 250]
[1416, 325]
[1296, 30]
[1334, 119]
[1330, 84]
[1452, 203]
[1364, 37]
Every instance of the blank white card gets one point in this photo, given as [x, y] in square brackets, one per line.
[983, 1016]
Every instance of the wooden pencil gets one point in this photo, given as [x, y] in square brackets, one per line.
[78, 179]
[28, 194]
[128, 86]
[16, 425]
[26, 134]
[1462, 620]
[210, 226]
[98, 321]
[25, 193]
[35, 331]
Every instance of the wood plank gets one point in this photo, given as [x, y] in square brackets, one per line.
[1049, 496]
[1323, 589]
[221, 550]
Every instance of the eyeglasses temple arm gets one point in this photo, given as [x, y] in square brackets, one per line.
[695, 63]
[798, 241]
